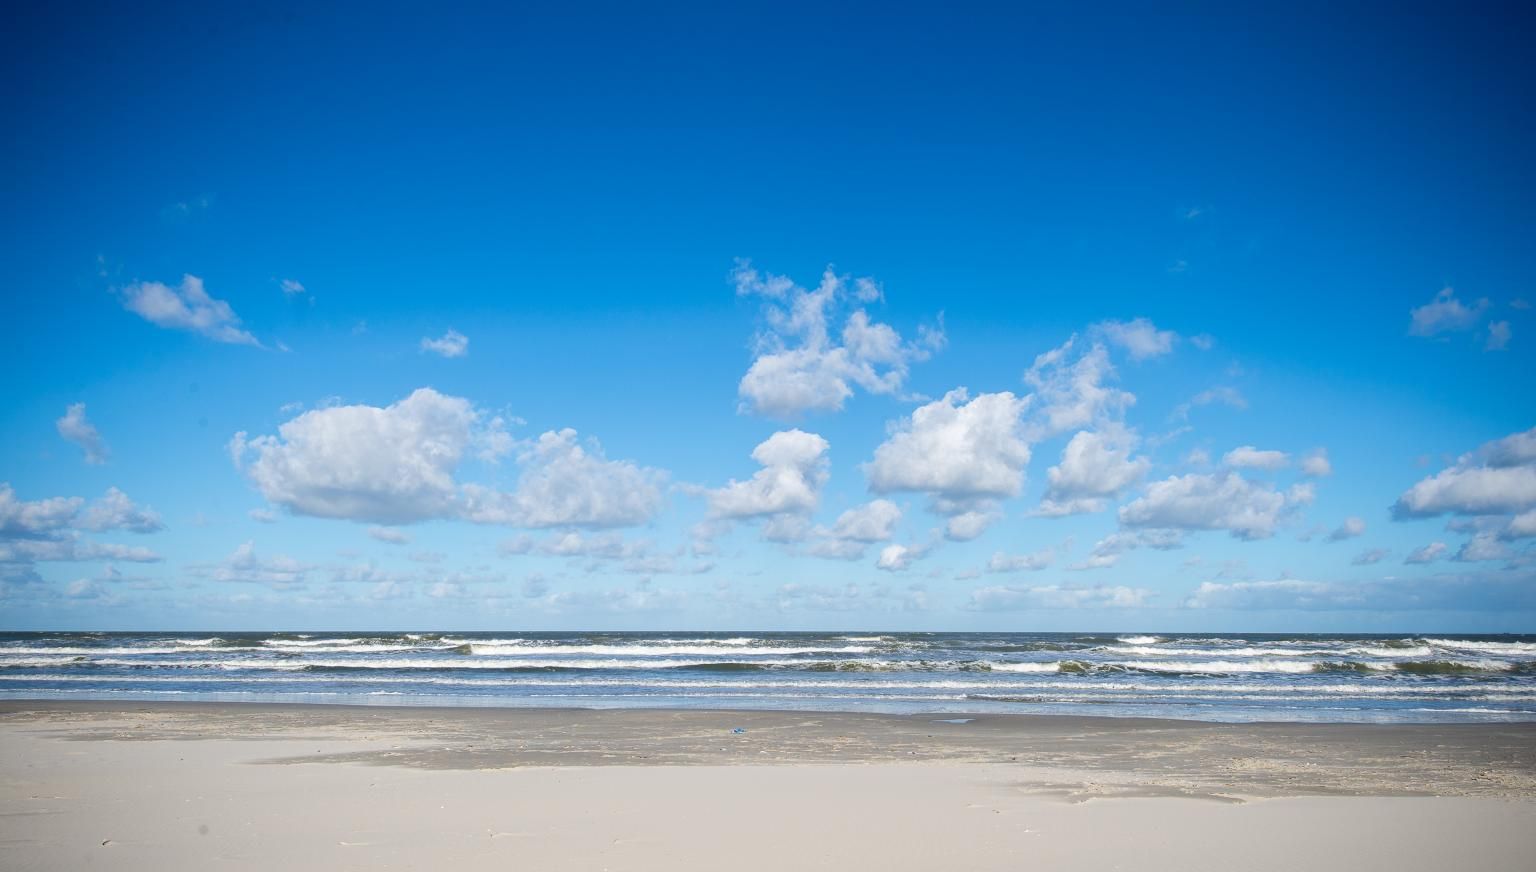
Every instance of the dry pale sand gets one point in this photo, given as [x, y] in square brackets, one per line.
[168, 787]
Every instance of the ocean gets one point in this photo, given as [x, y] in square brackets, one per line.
[1248, 677]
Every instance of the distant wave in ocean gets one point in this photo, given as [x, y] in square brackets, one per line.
[1214, 677]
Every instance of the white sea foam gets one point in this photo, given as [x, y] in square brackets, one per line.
[1478, 711]
[408, 663]
[370, 648]
[13, 652]
[1025, 667]
[40, 661]
[1150, 651]
[1466, 679]
[1483, 665]
[481, 649]
[1218, 666]
[313, 643]
[81, 661]
[639, 645]
[1490, 647]
[661, 659]
[1157, 689]
[734, 641]
[1373, 651]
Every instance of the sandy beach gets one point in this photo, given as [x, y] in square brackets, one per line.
[198, 786]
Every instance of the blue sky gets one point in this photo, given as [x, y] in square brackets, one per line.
[764, 316]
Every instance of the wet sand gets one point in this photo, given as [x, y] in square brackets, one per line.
[197, 786]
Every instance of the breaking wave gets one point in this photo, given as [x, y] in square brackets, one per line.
[1254, 676]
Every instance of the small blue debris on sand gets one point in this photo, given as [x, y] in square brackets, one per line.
[739, 730]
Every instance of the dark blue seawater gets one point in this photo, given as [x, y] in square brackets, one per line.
[1209, 677]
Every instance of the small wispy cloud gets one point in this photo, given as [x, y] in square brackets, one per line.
[1353, 526]
[1445, 314]
[391, 535]
[75, 428]
[186, 307]
[1368, 557]
[450, 344]
[1498, 336]
[1428, 554]
[181, 210]
[1224, 396]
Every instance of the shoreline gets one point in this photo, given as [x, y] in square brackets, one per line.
[9, 704]
[254, 786]
[124, 702]
[1180, 757]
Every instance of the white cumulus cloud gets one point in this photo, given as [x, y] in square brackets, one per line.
[794, 468]
[1522, 526]
[897, 558]
[53, 529]
[873, 521]
[801, 365]
[1248, 457]
[1483, 546]
[397, 464]
[567, 484]
[1223, 501]
[30, 518]
[1499, 477]
[1139, 337]
[962, 452]
[1094, 466]
[855, 530]
[1070, 390]
[972, 522]
[388, 465]
[115, 511]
